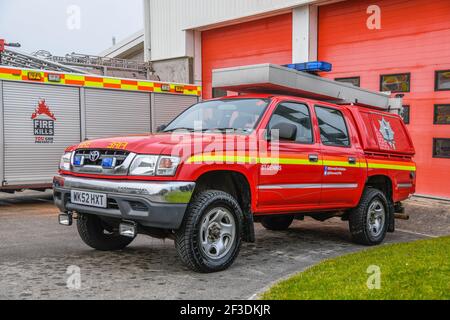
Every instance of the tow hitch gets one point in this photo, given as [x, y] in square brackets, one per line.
[65, 218]
[128, 229]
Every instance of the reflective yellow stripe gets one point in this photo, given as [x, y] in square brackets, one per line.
[112, 81]
[93, 84]
[129, 87]
[391, 166]
[222, 158]
[293, 161]
[74, 77]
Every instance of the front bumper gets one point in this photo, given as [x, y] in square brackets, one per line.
[159, 204]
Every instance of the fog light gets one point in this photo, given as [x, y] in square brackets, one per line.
[128, 229]
[65, 219]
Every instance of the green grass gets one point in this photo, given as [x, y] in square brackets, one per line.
[409, 271]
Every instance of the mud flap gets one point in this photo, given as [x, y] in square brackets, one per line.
[391, 217]
[249, 227]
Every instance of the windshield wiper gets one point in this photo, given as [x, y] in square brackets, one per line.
[225, 129]
[181, 128]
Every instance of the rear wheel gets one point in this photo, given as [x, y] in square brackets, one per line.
[96, 234]
[369, 221]
[277, 223]
[210, 236]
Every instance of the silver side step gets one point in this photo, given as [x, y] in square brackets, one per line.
[270, 78]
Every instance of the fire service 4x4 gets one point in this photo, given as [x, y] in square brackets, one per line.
[224, 164]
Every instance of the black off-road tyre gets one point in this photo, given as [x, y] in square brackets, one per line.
[92, 232]
[358, 219]
[277, 223]
[188, 237]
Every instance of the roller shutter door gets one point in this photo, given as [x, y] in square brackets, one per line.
[27, 160]
[167, 106]
[116, 113]
[267, 40]
[401, 46]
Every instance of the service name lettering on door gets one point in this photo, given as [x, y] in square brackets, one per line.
[43, 123]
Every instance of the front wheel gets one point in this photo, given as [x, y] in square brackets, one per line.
[96, 234]
[209, 239]
[369, 221]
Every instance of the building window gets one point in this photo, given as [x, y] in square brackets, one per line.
[405, 114]
[441, 147]
[395, 82]
[442, 80]
[442, 114]
[218, 93]
[356, 81]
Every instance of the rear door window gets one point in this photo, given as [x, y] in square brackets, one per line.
[333, 130]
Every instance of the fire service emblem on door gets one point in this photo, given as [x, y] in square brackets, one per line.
[43, 123]
[387, 132]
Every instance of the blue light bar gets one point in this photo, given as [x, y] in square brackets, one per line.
[313, 66]
[78, 161]
[108, 162]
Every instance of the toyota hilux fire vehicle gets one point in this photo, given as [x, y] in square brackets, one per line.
[223, 164]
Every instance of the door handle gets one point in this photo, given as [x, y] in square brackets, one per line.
[352, 160]
[313, 158]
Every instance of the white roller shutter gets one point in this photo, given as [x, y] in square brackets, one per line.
[116, 113]
[25, 161]
[167, 106]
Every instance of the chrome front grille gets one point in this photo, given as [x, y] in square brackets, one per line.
[94, 165]
[119, 155]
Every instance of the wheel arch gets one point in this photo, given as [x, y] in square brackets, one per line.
[236, 184]
[385, 184]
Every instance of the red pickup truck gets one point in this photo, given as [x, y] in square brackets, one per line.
[224, 164]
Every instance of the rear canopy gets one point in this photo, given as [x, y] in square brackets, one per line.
[383, 132]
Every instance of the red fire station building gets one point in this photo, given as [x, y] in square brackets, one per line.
[402, 46]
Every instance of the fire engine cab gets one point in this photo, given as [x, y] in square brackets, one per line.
[290, 145]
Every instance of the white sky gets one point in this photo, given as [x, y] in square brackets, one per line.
[46, 24]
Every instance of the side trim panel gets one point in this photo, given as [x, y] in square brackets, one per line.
[309, 186]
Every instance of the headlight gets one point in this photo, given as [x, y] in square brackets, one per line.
[150, 165]
[64, 164]
[167, 166]
[143, 165]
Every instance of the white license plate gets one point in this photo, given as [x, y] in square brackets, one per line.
[91, 199]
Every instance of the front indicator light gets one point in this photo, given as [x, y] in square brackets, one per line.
[167, 166]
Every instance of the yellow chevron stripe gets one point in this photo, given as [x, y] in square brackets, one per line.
[73, 77]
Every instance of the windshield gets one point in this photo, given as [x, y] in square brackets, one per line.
[233, 114]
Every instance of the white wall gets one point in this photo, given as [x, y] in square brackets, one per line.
[169, 19]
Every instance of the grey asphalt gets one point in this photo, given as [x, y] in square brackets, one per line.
[35, 253]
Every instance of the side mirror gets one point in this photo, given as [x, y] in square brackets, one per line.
[161, 128]
[287, 131]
